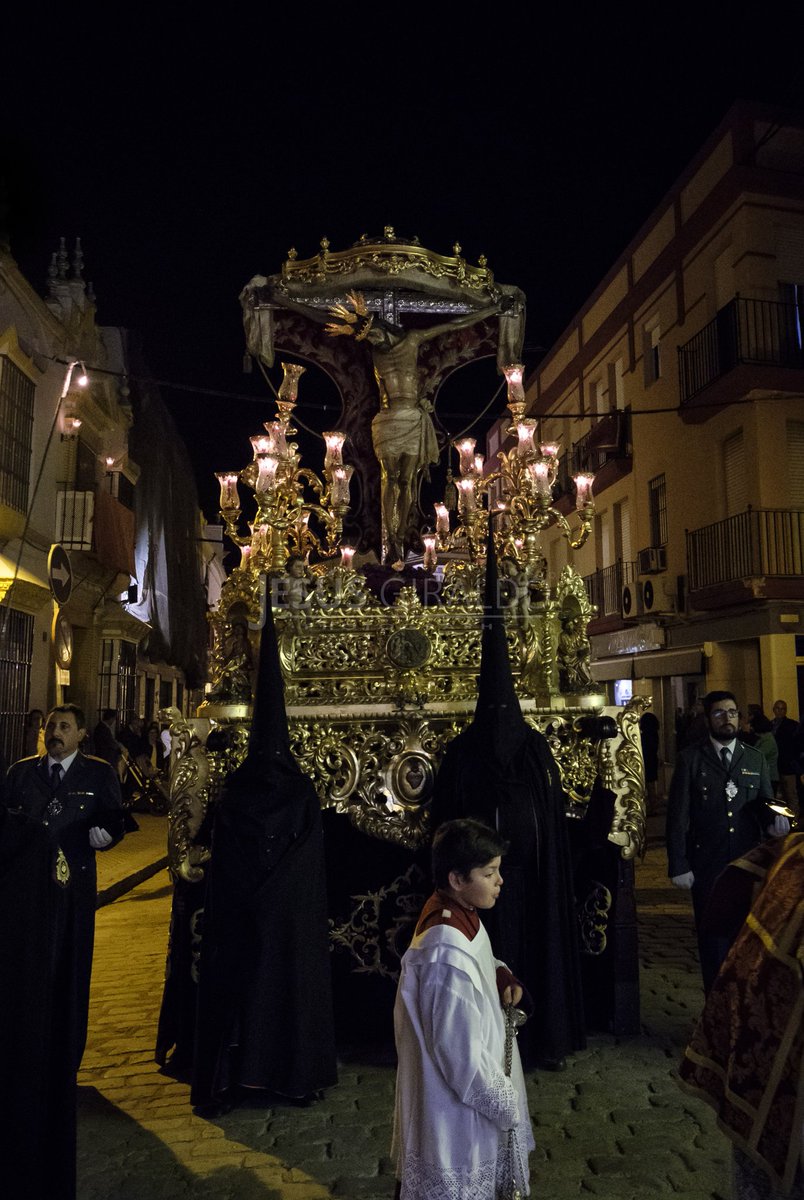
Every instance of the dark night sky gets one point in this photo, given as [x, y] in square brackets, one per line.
[189, 160]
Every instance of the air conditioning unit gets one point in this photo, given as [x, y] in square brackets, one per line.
[631, 601]
[652, 560]
[655, 599]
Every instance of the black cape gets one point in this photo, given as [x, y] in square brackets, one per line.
[265, 1017]
[500, 770]
[38, 1095]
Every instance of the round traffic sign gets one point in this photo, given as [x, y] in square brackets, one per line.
[59, 574]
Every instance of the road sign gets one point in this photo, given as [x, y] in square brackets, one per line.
[59, 574]
[62, 638]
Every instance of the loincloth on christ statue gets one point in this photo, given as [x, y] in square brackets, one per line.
[396, 432]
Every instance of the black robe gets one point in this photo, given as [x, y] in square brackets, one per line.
[88, 795]
[533, 926]
[37, 1098]
[264, 1017]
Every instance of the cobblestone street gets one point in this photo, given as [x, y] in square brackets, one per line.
[613, 1124]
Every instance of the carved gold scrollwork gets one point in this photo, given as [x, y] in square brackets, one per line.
[380, 925]
[380, 772]
[628, 826]
[189, 798]
[594, 919]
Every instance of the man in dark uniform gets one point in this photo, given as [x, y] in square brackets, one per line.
[77, 799]
[717, 810]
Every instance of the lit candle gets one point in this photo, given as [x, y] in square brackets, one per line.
[540, 476]
[442, 519]
[525, 431]
[261, 444]
[479, 460]
[430, 559]
[228, 482]
[583, 490]
[276, 432]
[549, 449]
[340, 485]
[347, 554]
[334, 442]
[466, 449]
[466, 493]
[267, 465]
[514, 374]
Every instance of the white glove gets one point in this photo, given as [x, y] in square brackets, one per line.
[779, 828]
[684, 881]
[99, 839]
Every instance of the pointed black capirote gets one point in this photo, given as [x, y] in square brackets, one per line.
[269, 723]
[498, 715]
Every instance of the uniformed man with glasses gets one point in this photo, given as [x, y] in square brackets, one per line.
[719, 807]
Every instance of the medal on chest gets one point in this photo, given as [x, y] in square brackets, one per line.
[731, 789]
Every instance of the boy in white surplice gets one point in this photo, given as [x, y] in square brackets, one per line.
[454, 1102]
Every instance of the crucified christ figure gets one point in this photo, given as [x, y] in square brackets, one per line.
[402, 432]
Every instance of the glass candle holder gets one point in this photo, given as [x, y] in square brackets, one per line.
[466, 450]
[583, 490]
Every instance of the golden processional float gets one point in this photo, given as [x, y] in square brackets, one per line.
[378, 606]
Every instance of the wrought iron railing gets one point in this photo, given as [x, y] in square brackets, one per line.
[75, 512]
[759, 542]
[744, 332]
[609, 438]
[605, 586]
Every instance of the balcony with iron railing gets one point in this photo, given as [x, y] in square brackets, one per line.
[605, 450]
[757, 554]
[750, 344]
[94, 521]
[604, 588]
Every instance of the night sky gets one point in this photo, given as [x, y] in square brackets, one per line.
[190, 157]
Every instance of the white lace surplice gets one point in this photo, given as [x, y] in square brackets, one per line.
[453, 1100]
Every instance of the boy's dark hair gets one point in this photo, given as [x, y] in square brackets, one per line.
[713, 698]
[461, 846]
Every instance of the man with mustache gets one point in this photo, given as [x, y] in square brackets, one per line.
[77, 799]
[717, 810]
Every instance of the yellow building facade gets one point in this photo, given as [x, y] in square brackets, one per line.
[680, 382]
[66, 479]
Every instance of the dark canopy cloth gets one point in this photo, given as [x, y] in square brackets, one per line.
[500, 770]
[264, 1016]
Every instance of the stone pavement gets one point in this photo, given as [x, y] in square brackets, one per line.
[614, 1124]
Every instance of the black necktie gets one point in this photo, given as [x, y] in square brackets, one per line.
[725, 755]
[55, 775]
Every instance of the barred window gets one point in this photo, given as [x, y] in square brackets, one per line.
[16, 422]
[117, 678]
[16, 652]
[657, 509]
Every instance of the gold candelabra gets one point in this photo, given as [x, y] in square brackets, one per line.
[282, 489]
[523, 485]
